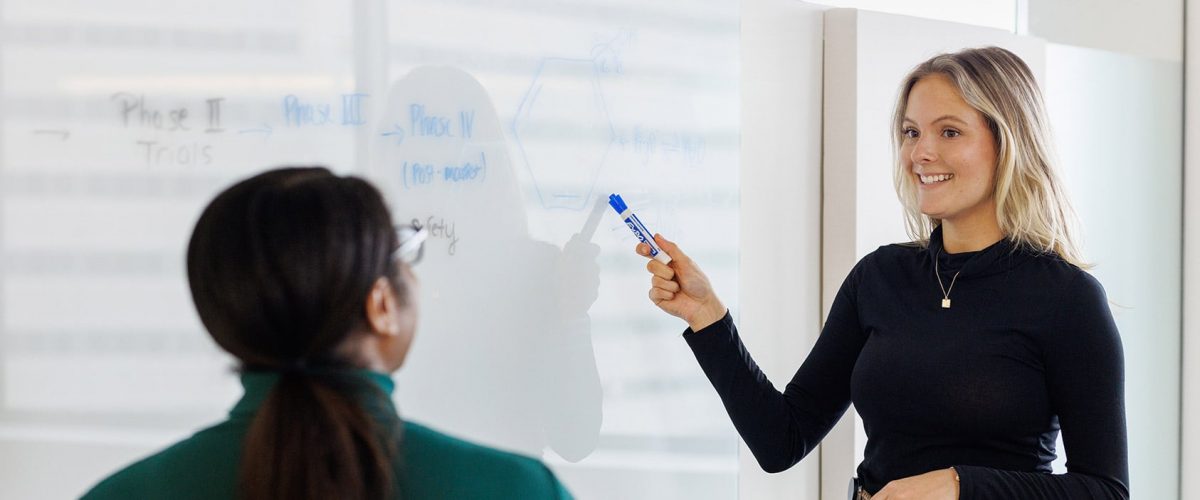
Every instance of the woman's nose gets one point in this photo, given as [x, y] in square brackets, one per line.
[922, 152]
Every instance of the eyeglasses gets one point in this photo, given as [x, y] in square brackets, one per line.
[412, 244]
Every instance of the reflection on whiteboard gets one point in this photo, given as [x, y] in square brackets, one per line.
[503, 353]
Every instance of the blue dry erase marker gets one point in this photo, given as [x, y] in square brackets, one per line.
[638, 228]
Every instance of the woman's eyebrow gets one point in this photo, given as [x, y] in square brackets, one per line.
[950, 118]
[938, 119]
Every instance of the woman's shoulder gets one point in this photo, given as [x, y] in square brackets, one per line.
[440, 465]
[201, 466]
[884, 261]
[894, 254]
[905, 250]
[1057, 273]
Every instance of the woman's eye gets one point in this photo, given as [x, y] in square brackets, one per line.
[910, 133]
[949, 133]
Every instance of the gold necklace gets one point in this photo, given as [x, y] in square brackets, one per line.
[945, 292]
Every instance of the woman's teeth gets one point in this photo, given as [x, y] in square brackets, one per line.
[930, 179]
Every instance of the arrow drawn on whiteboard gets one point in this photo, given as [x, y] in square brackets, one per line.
[63, 134]
[397, 132]
[265, 130]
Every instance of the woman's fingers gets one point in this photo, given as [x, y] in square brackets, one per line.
[670, 247]
[659, 269]
[666, 245]
[667, 285]
[658, 295]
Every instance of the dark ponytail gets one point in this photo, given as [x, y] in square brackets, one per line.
[280, 266]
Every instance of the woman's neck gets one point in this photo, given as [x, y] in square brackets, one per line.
[959, 237]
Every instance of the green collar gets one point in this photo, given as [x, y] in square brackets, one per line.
[257, 386]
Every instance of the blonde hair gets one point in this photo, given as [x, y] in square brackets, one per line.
[1031, 206]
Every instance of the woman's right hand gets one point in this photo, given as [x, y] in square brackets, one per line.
[681, 288]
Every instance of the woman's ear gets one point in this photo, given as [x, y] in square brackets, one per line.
[382, 307]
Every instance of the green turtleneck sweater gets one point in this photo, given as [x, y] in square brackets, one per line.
[205, 465]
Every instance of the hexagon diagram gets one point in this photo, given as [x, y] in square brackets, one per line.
[563, 131]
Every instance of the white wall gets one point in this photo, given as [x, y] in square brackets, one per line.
[1000, 14]
[1116, 118]
[781, 210]
[1155, 29]
[1190, 453]
[1143, 28]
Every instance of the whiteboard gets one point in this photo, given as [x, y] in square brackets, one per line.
[497, 126]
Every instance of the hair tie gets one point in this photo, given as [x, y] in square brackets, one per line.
[295, 366]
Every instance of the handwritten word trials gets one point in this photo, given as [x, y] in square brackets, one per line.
[417, 174]
[204, 117]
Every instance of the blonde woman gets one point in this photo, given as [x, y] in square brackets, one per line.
[966, 351]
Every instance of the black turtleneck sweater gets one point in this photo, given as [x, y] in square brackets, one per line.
[1027, 346]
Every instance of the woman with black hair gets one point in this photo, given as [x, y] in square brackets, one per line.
[301, 275]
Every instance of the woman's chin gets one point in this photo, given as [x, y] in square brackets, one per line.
[932, 212]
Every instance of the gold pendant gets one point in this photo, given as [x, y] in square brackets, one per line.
[945, 303]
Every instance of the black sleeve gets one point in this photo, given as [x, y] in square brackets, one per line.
[1085, 377]
[781, 428]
